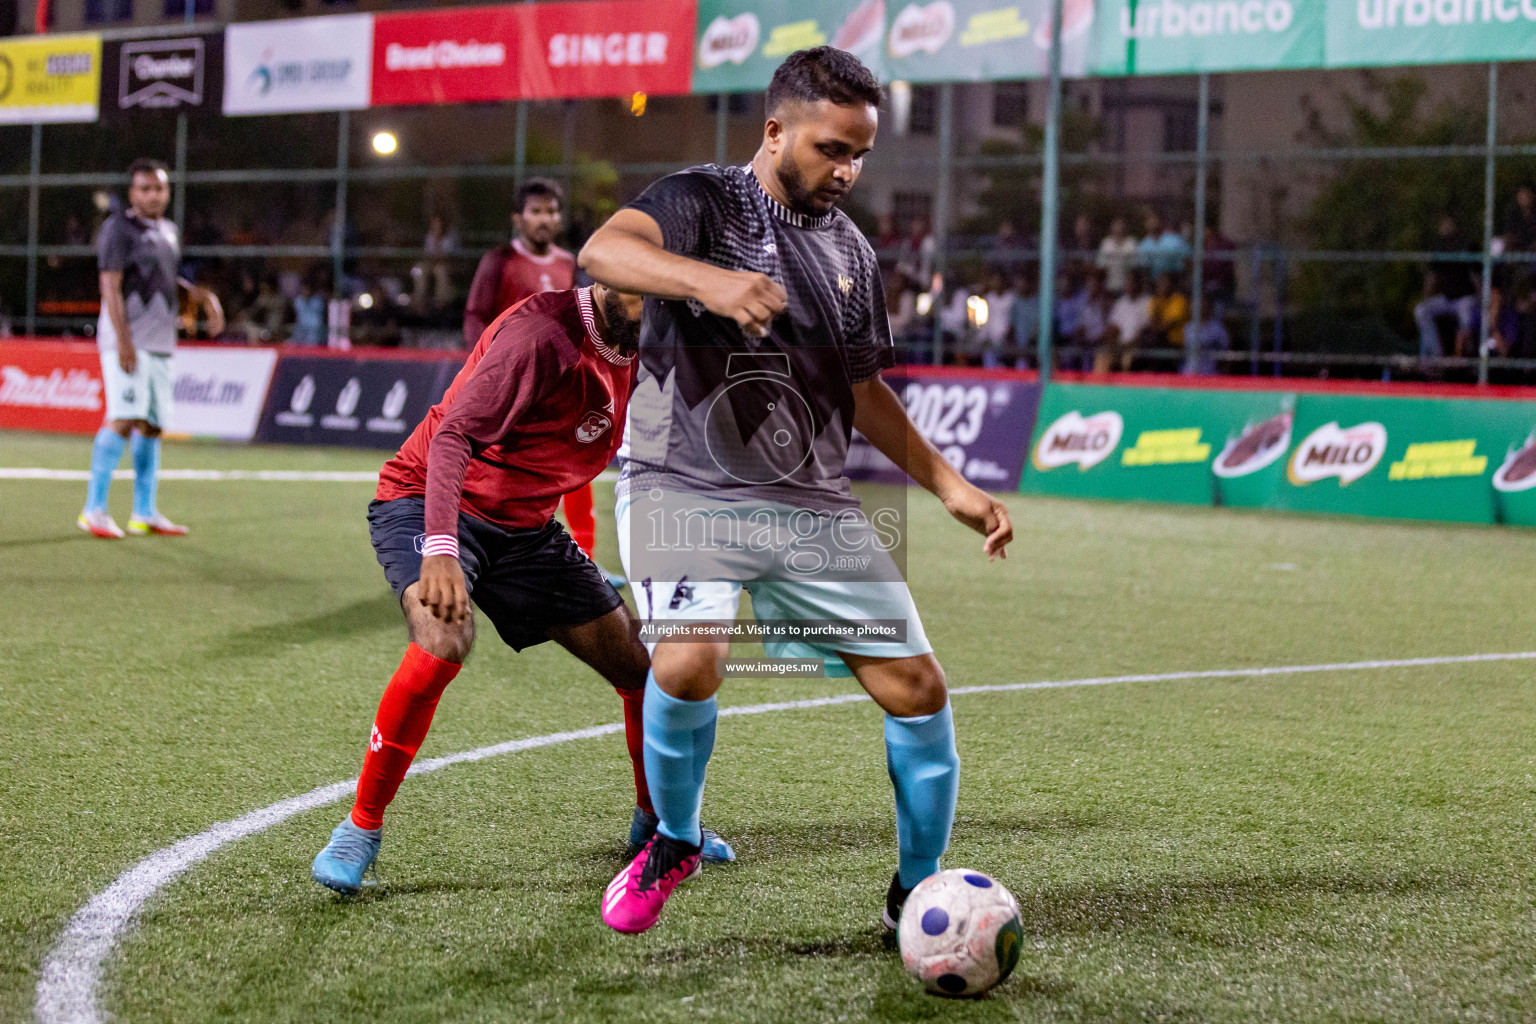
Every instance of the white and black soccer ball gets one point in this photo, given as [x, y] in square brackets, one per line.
[960, 933]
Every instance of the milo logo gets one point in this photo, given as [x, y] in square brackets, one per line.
[924, 29]
[1073, 438]
[729, 40]
[1258, 446]
[1331, 450]
[1519, 470]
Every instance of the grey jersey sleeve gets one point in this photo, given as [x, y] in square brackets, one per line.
[689, 207]
[870, 348]
[114, 245]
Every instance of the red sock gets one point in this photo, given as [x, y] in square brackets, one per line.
[405, 714]
[634, 739]
[579, 519]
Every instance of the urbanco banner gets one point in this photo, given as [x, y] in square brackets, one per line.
[1162, 37]
[1379, 33]
[298, 65]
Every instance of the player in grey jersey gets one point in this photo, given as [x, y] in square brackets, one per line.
[138, 254]
[761, 348]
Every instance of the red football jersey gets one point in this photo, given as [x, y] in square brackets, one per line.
[509, 274]
[536, 412]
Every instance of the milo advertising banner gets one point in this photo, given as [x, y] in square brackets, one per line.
[1155, 444]
[742, 42]
[1456, 460]
[1388, 32]
[1158, 37]
[979, 40]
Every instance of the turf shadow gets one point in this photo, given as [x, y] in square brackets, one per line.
[29, 542]
[371, 615]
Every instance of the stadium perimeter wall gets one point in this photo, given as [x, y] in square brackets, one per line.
[1452, 453]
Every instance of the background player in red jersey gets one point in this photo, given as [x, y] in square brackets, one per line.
[507, 275]
[465, 510]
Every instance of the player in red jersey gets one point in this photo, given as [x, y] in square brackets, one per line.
[464, 510]
[507, 275]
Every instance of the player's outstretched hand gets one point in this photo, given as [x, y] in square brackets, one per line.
[749, 298]
[443, 589]
[983, 513]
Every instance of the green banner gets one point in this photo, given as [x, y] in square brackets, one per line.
[1151, 444]
[1378, 33]
[1162, 37]
[742, 42]
[1411, 458]
[982, 40]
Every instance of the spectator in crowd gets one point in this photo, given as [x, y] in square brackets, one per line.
[269, 311]
[916, 253]
[996, 334]
[433, 288]
[1024, 316]
[1093, 320]
[901, 309]
[1162, 250]
[1219, 271]
[1070, 300]
[1448, 290]
[309, 314]
[1130, 320]
[1116, 257]
[1006, 244]
[1170, 312]
[1518, 237]
[955, 314]
[886, 241]
[1082, 247]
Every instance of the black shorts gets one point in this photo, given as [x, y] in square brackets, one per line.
[526, 581]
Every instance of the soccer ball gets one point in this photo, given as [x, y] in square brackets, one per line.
[960, 933]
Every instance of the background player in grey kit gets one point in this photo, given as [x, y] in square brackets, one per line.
[138, 253]
[761, 349]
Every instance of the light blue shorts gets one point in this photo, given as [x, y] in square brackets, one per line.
[144, 394]
[712, 593]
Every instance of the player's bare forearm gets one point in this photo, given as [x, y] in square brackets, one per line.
[628, 254]
[209, 302]
[882, 419]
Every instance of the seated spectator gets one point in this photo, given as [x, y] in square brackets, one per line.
[1070, 301]
[996, 334]
[309, 327]
[1518, 237]
[1091, 322]
[1116, 258]
[1170, 313]
[1130, 320]
[1162, 250]
[1448, 289]
[1024, 317]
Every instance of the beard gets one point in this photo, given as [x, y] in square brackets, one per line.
[802, 198]
[623, 333]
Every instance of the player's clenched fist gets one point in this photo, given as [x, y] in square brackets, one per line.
[443, 589]
[749, 298]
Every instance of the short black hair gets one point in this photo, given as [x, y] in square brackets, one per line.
[543, 188]
[144, 165]
[822, 73]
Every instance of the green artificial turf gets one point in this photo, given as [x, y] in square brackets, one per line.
[1332, 846]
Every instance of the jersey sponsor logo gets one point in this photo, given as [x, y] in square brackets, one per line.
[1259, 445]
[1073, 438]
[1519, 470]
[75, 389]
[1331, 450]
[845, 285]
[593, 426]
[730, 40]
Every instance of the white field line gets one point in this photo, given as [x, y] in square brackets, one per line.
[271, 475]
[71, 975]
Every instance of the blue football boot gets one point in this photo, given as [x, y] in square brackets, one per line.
[346, 857]
[643, 825]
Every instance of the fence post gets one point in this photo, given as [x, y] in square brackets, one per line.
[338, 237]
[179, 175]
[722, 102]
[941, 213]
[568, 148]
[1488, 168]
[33, 201]
[1050, 198]
[520, 144]
[1197, 275]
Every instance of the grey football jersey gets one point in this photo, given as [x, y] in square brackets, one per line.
[717, 412]
[148, 253]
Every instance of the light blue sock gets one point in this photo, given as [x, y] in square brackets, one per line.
[146, 475]
[925, 769]
[106, 453]
[679, 737]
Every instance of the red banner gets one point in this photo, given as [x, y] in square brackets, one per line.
[465, 55]
[51, 385]
[534, 51]
[606, 48]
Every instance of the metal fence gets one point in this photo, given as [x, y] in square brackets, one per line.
[1266, 322]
